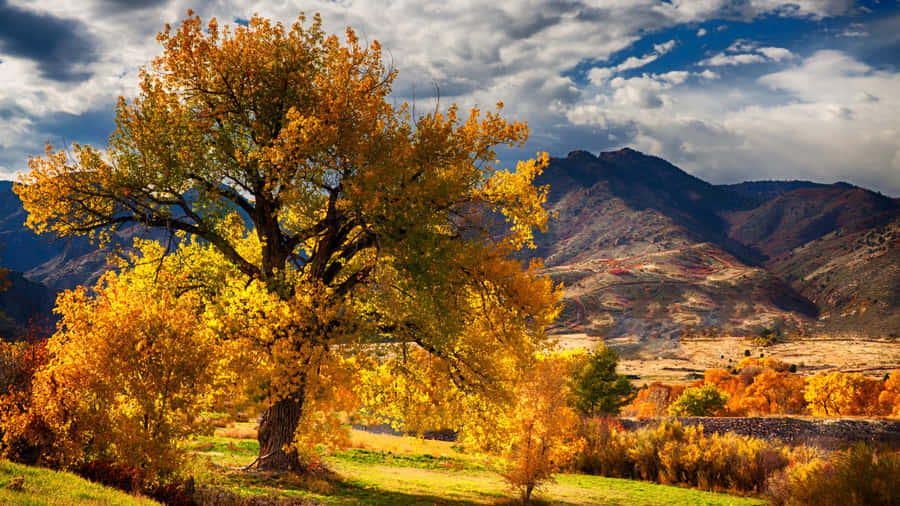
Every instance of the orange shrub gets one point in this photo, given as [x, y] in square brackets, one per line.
[889, 398]
[653, 400]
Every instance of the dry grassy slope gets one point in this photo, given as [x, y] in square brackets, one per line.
[853, 277]
[837, 245]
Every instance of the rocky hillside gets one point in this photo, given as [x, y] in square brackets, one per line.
[649, 252]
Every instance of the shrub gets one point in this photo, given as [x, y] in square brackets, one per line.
[605, 449]
[705, 400]
[674, 454]
[113, 474]
[133, 361]
[23, 434]
[857, 476]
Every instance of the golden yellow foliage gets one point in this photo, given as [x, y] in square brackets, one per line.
[889, 398]
[772, 393]
[839, 393]
[129, 372]
[542, 439]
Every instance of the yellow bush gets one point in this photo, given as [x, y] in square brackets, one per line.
[675, 454]
[126, 378]
[857, 476]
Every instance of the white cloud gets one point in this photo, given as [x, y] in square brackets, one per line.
[743, 52]
[775, 53]
[664, 48]
[599, 75]
[742, 46]
[675, 76]
[722, 59]
[633, 62]
[519, 51]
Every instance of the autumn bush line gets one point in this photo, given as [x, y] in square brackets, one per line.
[766, 386]
[671, 453]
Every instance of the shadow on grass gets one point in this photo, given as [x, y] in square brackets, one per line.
[330, 488]
[356, 494]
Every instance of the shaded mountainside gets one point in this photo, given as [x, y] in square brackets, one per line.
[23, 302]
[797, 217]
[649, 252]
[39, 266]
[59, 264]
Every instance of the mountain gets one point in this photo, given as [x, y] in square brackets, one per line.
[37, 267]
[59, 264]
[839, 246]
[23, 303]
[648, 252]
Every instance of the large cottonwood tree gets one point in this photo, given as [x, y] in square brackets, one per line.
[281, 151]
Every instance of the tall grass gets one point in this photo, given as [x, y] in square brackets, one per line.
[674, 454]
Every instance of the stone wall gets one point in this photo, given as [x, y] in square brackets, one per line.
[823, 433]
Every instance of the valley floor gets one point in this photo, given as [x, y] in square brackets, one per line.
[681, 361]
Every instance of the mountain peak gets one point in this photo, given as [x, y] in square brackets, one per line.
[580, 154]
[625, 153]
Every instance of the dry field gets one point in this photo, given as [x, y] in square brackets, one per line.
[871, 356]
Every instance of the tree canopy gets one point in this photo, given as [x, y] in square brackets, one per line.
[311, 213]
[598, 389]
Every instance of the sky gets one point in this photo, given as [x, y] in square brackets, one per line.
[728, 90]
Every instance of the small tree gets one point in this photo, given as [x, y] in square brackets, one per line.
[542, 439]
[596, 386]
[705, 400]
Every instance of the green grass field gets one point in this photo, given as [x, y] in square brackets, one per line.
[23, 485]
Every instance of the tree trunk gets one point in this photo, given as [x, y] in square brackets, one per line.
[276, 432]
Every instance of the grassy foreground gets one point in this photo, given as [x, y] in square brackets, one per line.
[23, 485]
[388, 470]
